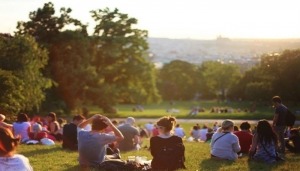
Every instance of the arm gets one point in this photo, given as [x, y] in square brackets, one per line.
[118, 134]
[253, 146]
[6, 125]
[136, 139]
[88, 121]
[275, 119]
[236, 146]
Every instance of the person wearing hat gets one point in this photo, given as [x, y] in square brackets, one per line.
[131, 135]
[224, 144]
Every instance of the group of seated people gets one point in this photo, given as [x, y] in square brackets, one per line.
[261, 146]
[98, 139]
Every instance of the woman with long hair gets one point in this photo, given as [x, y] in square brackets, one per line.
[167, 149]
[9, 161]
[264, 143]
[53, 126]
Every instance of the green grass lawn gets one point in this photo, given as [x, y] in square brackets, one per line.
[197, 158]
[263, 111]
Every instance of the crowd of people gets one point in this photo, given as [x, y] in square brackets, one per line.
[98, 139]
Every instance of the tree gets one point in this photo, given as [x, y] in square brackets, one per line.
[219, 77]
[45, 27]
[178, 80]
[124, 72]
[22, 84]
[66, 52]
[71, 68]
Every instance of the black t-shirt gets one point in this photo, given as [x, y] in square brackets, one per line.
[281, 111]
[70, 137]
[168, 153]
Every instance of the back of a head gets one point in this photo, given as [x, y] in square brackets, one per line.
[52, 115]
[7, 141]
[78, 117]
[167, 123]
[276, 99]
[245, 126]
[22, 117]
[130, 120]
[226, 124]
[36, 127]
[265, 132]
[98, 124]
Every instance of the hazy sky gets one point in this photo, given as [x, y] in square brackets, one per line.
[194, 19]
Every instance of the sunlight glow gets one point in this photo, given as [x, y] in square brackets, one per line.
[195, 19]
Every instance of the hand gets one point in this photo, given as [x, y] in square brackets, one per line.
[106, 120]
[97, 116]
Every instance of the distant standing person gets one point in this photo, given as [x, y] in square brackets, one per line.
[279, 123]
[131, 135]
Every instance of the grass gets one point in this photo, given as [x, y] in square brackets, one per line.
[197, 158]
[263, 111]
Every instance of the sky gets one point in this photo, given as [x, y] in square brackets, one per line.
[179, 19]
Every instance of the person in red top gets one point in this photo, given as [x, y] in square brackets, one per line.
[245, 137]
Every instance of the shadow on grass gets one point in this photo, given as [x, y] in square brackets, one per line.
[213, 164]
[257, 165]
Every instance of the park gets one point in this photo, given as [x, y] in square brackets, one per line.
[53, 62]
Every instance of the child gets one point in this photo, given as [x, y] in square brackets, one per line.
[295, 141]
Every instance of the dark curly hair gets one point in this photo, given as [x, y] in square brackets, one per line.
[265, 132]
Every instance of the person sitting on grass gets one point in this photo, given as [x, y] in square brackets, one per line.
[295, 140]
[22, 128]
[9, 161]
[264, 143]
[92, 144]
[245, 137]
[224, 144]
[167, 149]
[69, 135]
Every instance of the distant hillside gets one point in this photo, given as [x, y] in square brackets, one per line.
[241, 51]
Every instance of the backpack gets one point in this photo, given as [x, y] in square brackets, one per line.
[172, 156]
[290, 118]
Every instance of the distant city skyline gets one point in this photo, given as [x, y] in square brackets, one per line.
[177, 19]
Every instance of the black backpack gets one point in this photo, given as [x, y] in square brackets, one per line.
[172, 155]
[290, 118]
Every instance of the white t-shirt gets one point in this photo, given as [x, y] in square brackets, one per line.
[21, 129]
[15, 163]
[203, 133]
